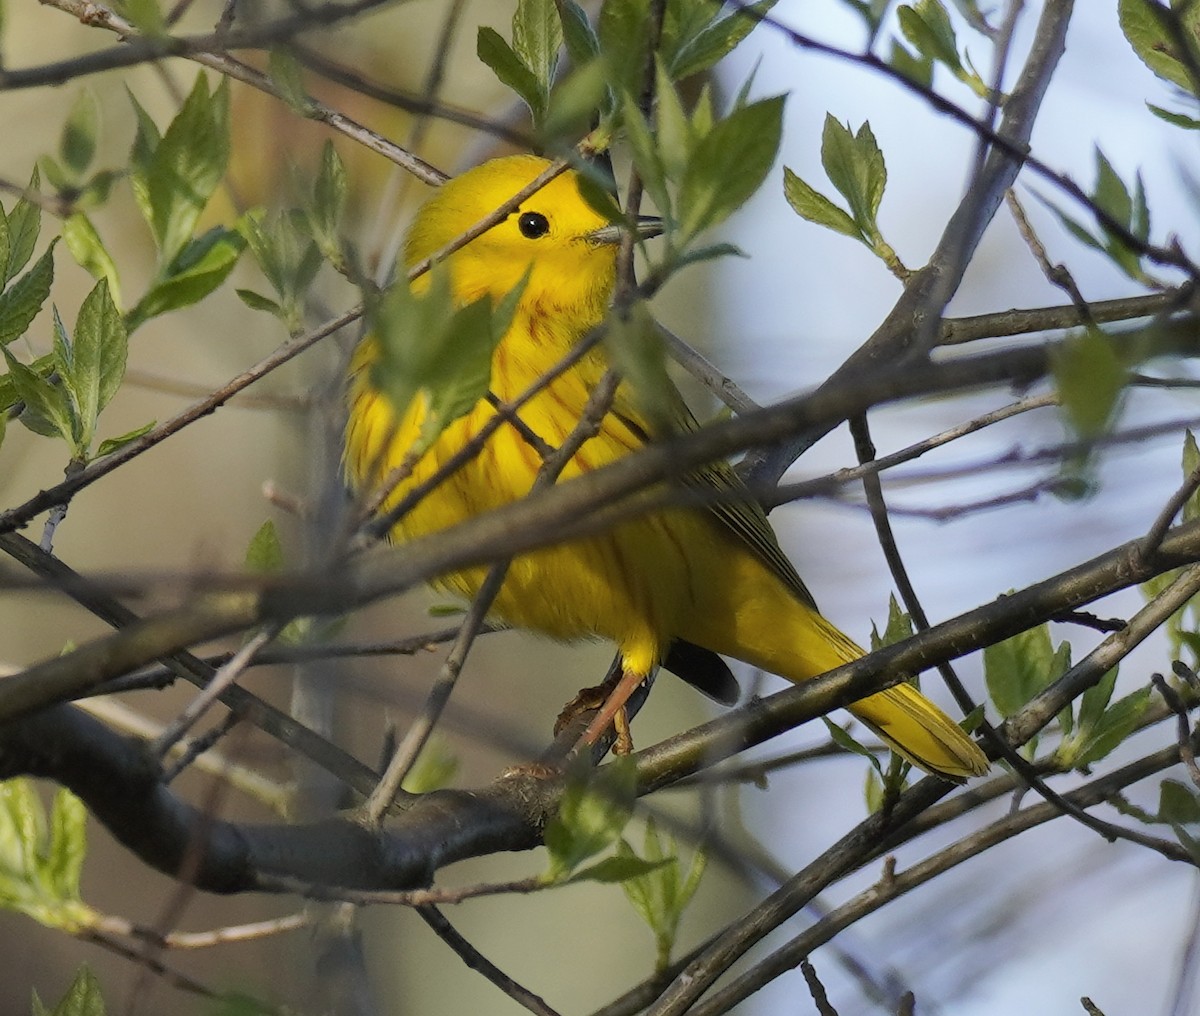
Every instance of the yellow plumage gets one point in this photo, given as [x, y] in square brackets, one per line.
[715, 578]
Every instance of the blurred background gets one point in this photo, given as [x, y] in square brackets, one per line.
[1028, 928]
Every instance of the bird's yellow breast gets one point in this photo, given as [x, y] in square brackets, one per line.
[633, 584]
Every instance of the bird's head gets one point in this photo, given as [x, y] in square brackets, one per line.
[568, 248]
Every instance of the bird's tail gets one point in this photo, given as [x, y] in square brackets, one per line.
[921, 732]
[906, 720]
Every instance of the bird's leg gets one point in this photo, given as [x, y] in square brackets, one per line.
[613, 711]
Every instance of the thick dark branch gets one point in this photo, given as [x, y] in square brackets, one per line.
[121, 785]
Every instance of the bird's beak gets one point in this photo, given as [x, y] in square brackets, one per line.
[647, 226]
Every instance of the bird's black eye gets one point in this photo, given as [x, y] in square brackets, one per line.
[533, 224]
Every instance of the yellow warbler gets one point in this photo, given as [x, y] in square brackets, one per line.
[713, 578]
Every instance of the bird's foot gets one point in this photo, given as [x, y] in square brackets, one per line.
[609, 698]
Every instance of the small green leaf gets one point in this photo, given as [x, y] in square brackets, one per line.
[435, 768]
[581, 41]
[329, 202]
[1090, 378]
[674, 130]
[24, 225]
[264, 555]
[1190, 463]
[841, 737]
[256, 301]
[617, 869]
[1155, 45]
[41, 857]
[83, 998]
[697, 52]
[115, 444]
[46, 411]
[77, 146]
[916, 67]
[95, 367]
[660, 895]
[174, 178]
[574, 102]
[856, 168]
[637, 351]
[199, 269]
[497, 54]
[1114, 726]
[1178, 804]
[815, 207]
[729, 164]
[146, 15]
[623, 29]
[21, 302]
[644, 149]
[537, 34]
[595, 808]
[927, 26]
[899, 626]
[288, 77]
[1176, 119]
[89, 251]
[1021, 666]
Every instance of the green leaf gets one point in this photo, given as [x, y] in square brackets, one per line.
[729, 164]
[1190, 463]
[675, 135]
[264, 555]
[574, 103]
[914, 66]
[856, 168]
[581, 40]
[199, 269]
[617, 869]
[24, 225]
[660, 895]
[21, 302]
[497, 54]
[1110, 193]
[77, 146]
[1154, 44]
[146, 15]
[429, 347]
[595, 807]
[644, 150]
[623, 29]
[537, 34]
[927, 26]
[1020, 667]
[815, 207]
[899, 626]
[1090, 378]
[89, 251]
[841, 737]
[41, 857]
[174, 181]
[1178, 804]
[256, 301]
[717, 39]
[1188, 123]
[329, 203]
[93, 365]
[636, 347]
[1116, 725]
[435, 768]
[46, 411]
[115, 444]
[83, 998]
[288, 77]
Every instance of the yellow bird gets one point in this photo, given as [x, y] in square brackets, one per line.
[658, 586]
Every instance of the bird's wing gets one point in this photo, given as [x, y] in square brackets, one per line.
[727, 497]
